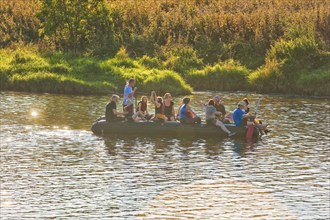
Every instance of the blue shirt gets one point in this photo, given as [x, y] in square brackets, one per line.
[238, 116]
[183, 111]
[128, 90]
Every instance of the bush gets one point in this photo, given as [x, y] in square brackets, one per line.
[315, 83]
[182, 60]
[228, 76]
[166, 81]
[150, 62]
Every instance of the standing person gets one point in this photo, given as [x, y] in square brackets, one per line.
[211, 119]
[129, 92]
[159, 107]
[187, 115]
[169, 107]
[111, 114]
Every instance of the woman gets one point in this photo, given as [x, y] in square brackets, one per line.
[169, 107]
[211, 118]
[187, 116]
[159, 107]
[142, 113]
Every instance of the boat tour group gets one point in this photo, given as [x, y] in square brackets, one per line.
[165, 114]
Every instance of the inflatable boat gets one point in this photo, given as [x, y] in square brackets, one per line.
[168, 129]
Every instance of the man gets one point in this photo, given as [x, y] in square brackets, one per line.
[239, 114]
[111, 113]
[129, 92]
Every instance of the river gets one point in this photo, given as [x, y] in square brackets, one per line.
[52, 166]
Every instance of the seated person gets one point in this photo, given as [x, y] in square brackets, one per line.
[159, 107]
[239, 114]
[129, 110]
[242, 119]
[169, 107]
[220, 108]
[187, 116]
[211, 119]
[247, 108]
[142, 113]
[111, 113]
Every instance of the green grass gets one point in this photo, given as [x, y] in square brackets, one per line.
[27, 70]
[291, 66]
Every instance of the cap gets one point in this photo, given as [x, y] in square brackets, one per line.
[241, 103]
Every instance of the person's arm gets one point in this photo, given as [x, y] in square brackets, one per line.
[173, 111]
[118, 113]
[153, 97]
[130, 95]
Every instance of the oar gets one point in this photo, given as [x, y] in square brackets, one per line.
[250, 130]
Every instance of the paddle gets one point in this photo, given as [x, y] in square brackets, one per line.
[250, 130]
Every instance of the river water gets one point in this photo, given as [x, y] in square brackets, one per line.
[52, 166]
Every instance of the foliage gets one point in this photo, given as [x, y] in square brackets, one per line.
[230, 76]
[77, 26]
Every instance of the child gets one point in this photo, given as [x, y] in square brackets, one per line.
[159, 107]
[129, 109]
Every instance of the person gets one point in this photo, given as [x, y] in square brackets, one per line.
[169, 107]
[253, 120]
[129, 92]
[187, 115]
[242, 119]
[111, 114]
[211, 119]
[247, 108]
[239, 114]
[221, 108]
[142, 113]
[129, 110]
[159, 107]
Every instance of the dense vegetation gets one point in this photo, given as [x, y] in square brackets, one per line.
[93, 46]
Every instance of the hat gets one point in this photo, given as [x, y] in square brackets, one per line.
[216, 98]
[241, 103]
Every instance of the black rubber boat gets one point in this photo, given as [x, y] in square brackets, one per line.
[168, 129]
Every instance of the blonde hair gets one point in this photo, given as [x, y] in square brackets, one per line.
[167, 95]
[114, 97]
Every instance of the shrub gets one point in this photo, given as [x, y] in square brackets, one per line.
[150, 62]
[182, 60]
[166, 81]
[223, 76]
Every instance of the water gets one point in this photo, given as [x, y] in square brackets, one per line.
[53, 166]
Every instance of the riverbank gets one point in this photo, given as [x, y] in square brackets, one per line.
[291, 67]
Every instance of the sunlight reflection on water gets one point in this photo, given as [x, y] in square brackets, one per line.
[52, 166]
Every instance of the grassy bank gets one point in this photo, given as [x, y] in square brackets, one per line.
[28, 70]
[177, 46]
[294, 67]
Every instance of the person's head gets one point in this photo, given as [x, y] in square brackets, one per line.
[216, 99]
[159, 99]
[211, 102]
[144, 99]
[185, 100]
[115, 98]
[246, 101]
[131, 82]
[129, 102]
[167, 96]
[241, 105]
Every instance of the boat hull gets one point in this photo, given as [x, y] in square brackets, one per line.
[171, 129]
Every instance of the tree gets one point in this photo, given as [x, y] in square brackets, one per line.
[78, 25]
